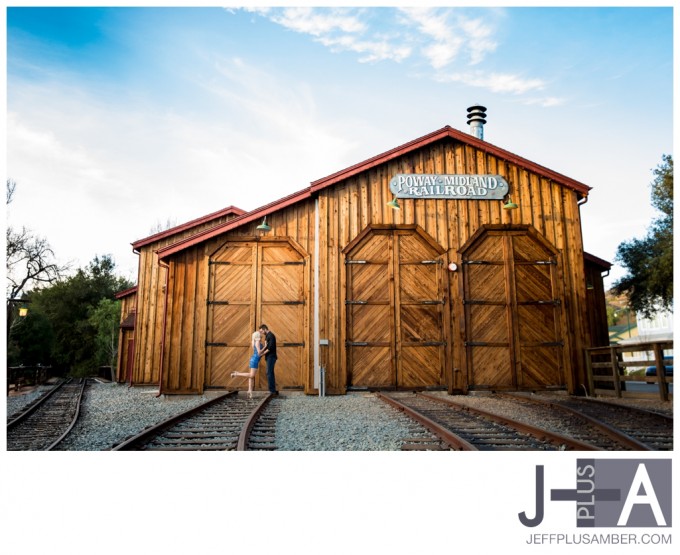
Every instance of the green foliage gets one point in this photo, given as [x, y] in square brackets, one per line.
[648, 285]
[31, 340]
[105, 318]
[71, 306]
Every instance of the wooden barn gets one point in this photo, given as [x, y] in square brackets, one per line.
[446, 262]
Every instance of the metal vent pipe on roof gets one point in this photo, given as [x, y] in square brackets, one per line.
[476, 120]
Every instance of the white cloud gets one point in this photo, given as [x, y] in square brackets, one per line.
[496, 82]
[480, 41]
[371, 51]
[341, 30]
[316, 23]
[441, 43]
[445, 33]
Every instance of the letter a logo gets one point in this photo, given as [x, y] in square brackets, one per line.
[641, 482]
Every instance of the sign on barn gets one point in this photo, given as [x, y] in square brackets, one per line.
[439, 186]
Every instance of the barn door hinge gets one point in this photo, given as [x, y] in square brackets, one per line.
[433, 343]
[213, 344]
[439, 301]
[293, 302]
[294, 263]
[476, 262]
[549, 262]
[217, 302]
[431, 262]
[218, 262]
[294, 344]
[356, 302]
[355, 262]
[483, 344]
[357, 343]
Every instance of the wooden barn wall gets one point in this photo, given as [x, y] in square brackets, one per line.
[128, 305]
[597, 306]
[151, 302]
[345, 209]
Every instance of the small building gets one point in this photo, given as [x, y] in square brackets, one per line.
[444, 263]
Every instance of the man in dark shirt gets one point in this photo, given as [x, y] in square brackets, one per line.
[269, 357]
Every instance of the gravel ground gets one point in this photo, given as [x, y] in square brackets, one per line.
[353, 422]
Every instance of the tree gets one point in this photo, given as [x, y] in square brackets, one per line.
[648, 285]
[30, 259]
[32, 341]
[69, 305]
[160, 226]
[105, 318]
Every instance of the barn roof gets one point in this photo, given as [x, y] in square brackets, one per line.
[441, 134]
[596, 261]
[126, 292]
[186, 226]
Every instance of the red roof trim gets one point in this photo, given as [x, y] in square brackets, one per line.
[597, 261]
[456, 135]
[126, 292]
[233, 224]
[188, 225]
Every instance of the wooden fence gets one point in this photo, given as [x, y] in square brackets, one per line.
[606, 369]
[20, 376]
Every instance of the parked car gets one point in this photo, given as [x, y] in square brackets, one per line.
[667, 365]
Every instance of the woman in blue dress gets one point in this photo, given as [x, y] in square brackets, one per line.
[256, 344]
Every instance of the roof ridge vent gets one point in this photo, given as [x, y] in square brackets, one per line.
[476, 120]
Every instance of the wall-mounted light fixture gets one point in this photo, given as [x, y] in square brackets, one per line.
[510, 205]
[23, 311]
[393, 204]
[264, 227]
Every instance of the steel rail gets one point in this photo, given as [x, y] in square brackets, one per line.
[614, 433]
[36, 404]
[73, 422]
[447, 436]
[539, 433]
[652, 413]
[148, 432]
[244, 436]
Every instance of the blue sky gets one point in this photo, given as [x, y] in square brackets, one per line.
[122, 119]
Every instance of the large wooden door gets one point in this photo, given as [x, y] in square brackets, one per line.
[513, 311]
[253, 283]
[395, 310]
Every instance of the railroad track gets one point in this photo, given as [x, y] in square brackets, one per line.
[464, 428]
[630, 427]
[45, 423]
[226, 423]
